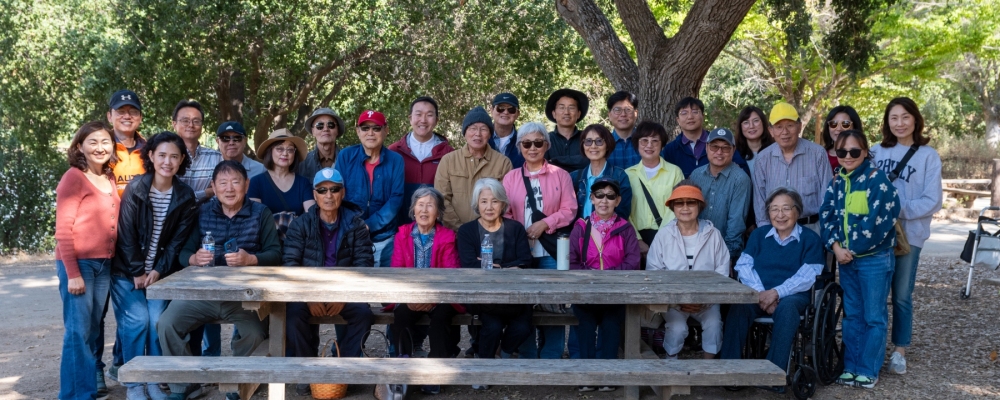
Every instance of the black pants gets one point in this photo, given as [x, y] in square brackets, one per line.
[507, 331]
[444, 336]
[302, 338]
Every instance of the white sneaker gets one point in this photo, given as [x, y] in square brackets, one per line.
[897, 363]
[154, 392]
[137, 392]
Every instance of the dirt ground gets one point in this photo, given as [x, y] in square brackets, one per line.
[953, 355]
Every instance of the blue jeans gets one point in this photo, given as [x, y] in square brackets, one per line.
[136, 317]
[81, 316]
[609, 318]
[116, 351]
[383, 253]
[551, 339]
[903, 279]
[786, 323]
[866, 281]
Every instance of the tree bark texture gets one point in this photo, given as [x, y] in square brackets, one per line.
[665, 69]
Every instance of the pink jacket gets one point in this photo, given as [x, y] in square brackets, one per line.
[620, 249]
[558, 196]
[443, 252]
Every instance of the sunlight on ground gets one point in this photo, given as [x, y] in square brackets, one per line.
[7, 387]
[27, 283]
[978, 390]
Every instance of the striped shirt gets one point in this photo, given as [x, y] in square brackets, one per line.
[808, 173]
[199, 174]
[160, 202]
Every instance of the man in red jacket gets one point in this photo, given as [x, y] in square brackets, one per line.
[421, 149]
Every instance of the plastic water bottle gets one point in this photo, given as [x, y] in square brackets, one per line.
[208, 243]
[486, 253]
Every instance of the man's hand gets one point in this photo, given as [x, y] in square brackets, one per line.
[240, 259]
[139, 281]
[767, 298]
[201, 258]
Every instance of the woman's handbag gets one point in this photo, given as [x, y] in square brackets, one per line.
[902, 244]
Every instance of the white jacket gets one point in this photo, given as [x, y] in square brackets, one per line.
[668, 252]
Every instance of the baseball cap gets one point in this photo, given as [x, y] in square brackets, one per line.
[721, 134]
[327, 175]
[602, 182]
[782, 111]
[506, 98]
[372, 116]
[123, 98]
[230, 127]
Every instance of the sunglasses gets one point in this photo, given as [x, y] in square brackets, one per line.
[538, 143]
[842, 153]
[508, 110]
[686, 203]
[843, 124]
[593, 142]
[374, 128]
[235, 139]
[601, 195]
[335, 189]
[321, 126]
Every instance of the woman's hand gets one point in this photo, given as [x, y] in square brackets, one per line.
[240, 259]
[691, 308]
[139, 281]
[536, 230]
[76, 286]
[152, 277]
[201, 258]
[420, 307]
[843, 256]
[643, 248]
[767, 299]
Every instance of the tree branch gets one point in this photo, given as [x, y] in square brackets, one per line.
[611, 55]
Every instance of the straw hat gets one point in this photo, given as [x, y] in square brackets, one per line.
[283, 134]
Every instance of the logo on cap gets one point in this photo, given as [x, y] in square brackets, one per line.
[327, 173]
[721, 133]
[126, 97]
[229, 128]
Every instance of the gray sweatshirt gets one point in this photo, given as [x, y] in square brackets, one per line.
[918, 186]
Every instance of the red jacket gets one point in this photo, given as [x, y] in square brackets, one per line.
[444, 254]
[417, 173]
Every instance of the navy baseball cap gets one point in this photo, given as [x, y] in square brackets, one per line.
[721, 134]
[506, 98]
[123, 98]
[232, 127]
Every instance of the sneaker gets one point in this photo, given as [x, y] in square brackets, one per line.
[102, 387]
[303, 389]
[430, 389]
[232, 396]
[137, 392]
[154, 392]
[865, 382]
[607, 388]
[113, 372]
[480, 387]
[846, 378]
[585, 389]
[897, 363]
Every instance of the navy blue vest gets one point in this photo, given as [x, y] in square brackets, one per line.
[244, 227]
[775, 263]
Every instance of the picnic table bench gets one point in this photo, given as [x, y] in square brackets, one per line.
[267, 289]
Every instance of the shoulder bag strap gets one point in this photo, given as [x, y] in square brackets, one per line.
[586, 243]
[902, 163]
[652, 206]
[535, 212]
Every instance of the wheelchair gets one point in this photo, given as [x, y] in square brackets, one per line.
[817, 349]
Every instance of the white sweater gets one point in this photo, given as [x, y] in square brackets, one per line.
[668, 252]
[918, 187]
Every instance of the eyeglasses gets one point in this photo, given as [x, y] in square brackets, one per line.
[566, 108]
[593, 142]
[685, 203]
[189, 121]
[286, 150]
[131, 112]
[328, 125]
[723, 148]
[508, 110]
[846, 124]
[684, 113]
[751, 122]
[602, 195]
[527, 143]
[622, 110]
[780, 210]
[649, 142]
[332, 190]
[842, 153]
[373, 128]
[234, 139]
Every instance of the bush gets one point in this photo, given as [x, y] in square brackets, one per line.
[965, 157]
[28, 181]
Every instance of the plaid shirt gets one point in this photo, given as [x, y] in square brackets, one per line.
[199, 174]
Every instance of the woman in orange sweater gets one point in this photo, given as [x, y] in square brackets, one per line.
[86, 217]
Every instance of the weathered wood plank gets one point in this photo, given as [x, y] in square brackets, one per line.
[966, 181]
[453, 371]
[633, 312]
[384, 318]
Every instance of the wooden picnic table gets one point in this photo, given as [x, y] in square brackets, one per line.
[267, 289]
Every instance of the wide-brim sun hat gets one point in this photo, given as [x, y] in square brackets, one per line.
[582, 102]
[324, 111]
[283, 134]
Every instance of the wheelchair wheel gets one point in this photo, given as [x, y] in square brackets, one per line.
[804, 382]
[827, 347]
[757, 342]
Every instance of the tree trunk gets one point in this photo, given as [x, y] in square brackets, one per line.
[667, 69]
[992, 127]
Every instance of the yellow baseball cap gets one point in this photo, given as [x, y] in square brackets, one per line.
[782, 111]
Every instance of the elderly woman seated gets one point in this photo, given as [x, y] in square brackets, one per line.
[330, 234]
[425, 243]
[780, 262]
[689, 244]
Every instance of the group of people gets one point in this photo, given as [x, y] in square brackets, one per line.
[761, 205]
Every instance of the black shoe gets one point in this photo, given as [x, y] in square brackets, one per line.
[303, 389]
[232, 396]
[102, 387]
[734, 388]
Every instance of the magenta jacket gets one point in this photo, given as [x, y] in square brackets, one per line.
[558, 196]
[621, 248]
[443, 252]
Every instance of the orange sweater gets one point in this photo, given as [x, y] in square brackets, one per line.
[129, 163]
[86, 221]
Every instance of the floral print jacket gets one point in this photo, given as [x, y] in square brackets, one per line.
[859, 211]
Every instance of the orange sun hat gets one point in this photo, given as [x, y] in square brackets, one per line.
[685, 192]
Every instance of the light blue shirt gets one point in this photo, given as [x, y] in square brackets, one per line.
[588, 206]
[803, 279]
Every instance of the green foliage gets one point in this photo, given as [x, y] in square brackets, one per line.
[27, 195]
